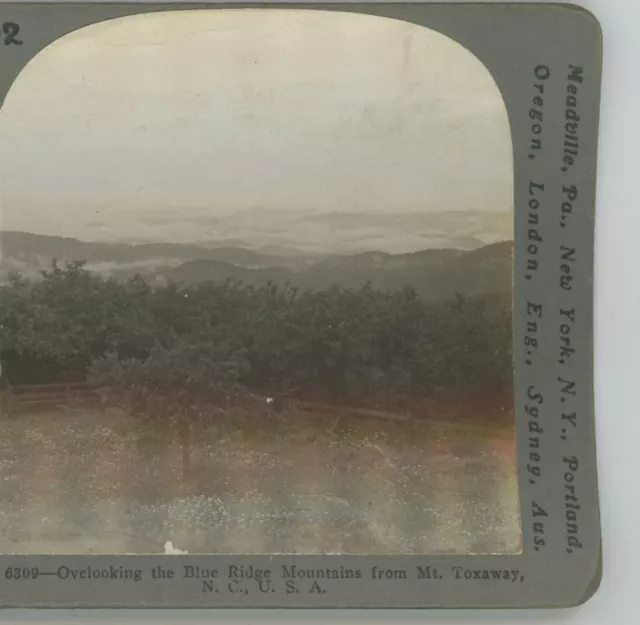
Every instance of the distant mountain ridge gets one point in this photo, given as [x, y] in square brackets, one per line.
[264, 230]
[435, 273]
[27, 247]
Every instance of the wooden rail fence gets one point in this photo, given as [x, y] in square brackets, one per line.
[56, 395]
[45, 395]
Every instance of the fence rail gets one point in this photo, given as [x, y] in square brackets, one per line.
[52, 388]
[305, 406]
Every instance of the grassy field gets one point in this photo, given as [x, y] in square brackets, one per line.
[87, 480]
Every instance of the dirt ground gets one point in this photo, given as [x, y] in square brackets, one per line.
[87, 481]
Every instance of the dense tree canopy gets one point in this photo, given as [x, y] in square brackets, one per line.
[222, 338]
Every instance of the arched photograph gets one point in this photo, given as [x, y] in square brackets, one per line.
[256, 291]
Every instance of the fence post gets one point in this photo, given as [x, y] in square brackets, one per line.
[5, 394]
[5, 402]
[185, 439]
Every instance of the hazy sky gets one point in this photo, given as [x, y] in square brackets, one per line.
[220, 111]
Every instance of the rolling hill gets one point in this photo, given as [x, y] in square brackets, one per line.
[434, 273]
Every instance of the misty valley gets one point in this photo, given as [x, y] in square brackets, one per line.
[435, 273]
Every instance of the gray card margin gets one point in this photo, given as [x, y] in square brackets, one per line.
[511, 40]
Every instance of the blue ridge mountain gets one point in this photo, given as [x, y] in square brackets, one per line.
[434, 273]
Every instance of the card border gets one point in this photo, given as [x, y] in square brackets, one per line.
[507, 39]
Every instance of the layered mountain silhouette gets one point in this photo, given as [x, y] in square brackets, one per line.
[434, 273]
[272, 231]
[36, 248]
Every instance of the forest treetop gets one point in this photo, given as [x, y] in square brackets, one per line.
[343, 344]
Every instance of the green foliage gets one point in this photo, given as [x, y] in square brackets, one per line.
[219, 339]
